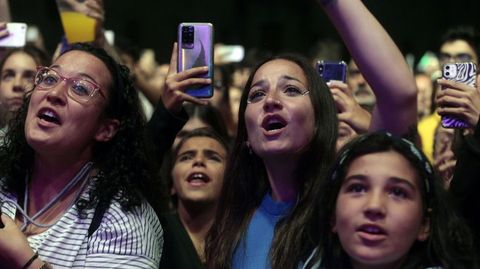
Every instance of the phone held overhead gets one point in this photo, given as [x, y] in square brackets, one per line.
[466, 73]
[195, 49]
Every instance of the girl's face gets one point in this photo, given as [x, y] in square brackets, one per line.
[279, 116]
[198, 170]
[17, 76]
[379, 214]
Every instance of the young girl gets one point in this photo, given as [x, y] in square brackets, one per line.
[384, 208]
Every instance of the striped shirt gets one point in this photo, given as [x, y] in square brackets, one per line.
[123, 239]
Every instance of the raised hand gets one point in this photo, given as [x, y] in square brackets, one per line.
[458, 100]
[349, 111]
[173, 94]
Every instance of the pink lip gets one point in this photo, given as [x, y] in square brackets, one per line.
[371, 234]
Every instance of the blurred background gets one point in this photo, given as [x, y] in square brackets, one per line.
[274, 25]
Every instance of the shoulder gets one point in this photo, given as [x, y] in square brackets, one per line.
[135, 233]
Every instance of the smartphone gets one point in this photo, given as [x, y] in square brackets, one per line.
[332, 70]
[466, 73]
[195, 48]
[17, 33]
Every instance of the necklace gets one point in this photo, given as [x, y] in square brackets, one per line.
[23, 210]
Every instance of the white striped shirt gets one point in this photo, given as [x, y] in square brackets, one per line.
[123, 239]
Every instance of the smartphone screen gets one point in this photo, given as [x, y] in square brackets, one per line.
[332, 70]
[195, 48]
[17, 32]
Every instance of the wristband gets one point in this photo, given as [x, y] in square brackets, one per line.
[32, 259]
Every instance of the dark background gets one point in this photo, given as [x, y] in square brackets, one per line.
[275, 25]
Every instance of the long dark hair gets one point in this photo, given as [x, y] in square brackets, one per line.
[246, 183]
[449, 242]
[125, 174]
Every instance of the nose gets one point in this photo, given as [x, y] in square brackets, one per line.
[375, 205]
[58, 93]
[361, 80]
[272, 100]
[199, 160]
[18, 85]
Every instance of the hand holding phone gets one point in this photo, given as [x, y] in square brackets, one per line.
[464, 73]
[195, 49]
[13, 35]
[332, 70]
[177, 83]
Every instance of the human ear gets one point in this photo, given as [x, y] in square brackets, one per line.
[424, 231]
[107, 130]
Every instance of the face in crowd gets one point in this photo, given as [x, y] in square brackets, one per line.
[66, 110]
[198, 170]
[17, 75]
[279, 116]
[379, 212]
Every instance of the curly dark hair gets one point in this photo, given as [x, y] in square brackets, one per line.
[125, 172]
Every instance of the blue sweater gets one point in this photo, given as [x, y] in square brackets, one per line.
[253, 249]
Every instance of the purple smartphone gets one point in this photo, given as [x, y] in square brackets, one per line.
[332, 70]
[465, 73]
[195, 48]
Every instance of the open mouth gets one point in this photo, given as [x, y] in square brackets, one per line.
[49, 115]
[273, 123]
[198, 178]
[372, 232]
[371, 229]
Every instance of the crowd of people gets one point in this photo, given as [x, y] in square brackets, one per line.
[107, 162]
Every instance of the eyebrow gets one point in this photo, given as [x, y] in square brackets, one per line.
[394, 180]
[207, 152]
[283, 77]
[81, 74]
[210, 152]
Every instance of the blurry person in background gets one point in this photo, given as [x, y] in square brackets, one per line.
[458, 44]
[362, 92]
[17, 73]
[425, 92]
[221, 96]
